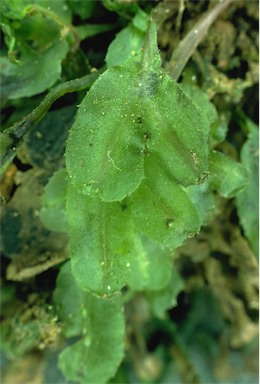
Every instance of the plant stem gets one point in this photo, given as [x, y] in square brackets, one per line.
[15, 134]
[187, 46]
[180, 14]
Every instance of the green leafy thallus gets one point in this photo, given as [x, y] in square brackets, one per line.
[137, 142]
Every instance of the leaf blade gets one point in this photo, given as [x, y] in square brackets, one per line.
[161, 208]
[87, 360]
[133, 109]
[227, 176]
[101, 242]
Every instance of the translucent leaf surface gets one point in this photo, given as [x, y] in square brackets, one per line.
[200, 98]
[227, 176]
[96, 357]
[35, 72]
[121, 7]
[88, 30]
[203, 198]
[161, 208]
[133, 110]
[102, 246]
[166, 298]
[14, 9]
[218, 123]
[152, 267]
[104, 148]
[128, 41]
[37, 45]
[247, 200]
[83, 8]
[53, 213]
[105, 251]
[17, 9]
[69, 299]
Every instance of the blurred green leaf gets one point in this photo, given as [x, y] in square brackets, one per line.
[199, 334]
[247, 201]
[53, 214]
[219, 129]
[17, 9]
[166, 298]
[227, 176]
[203, 198]
[88, 30]
[83, 8]
[198, 96]
[162, 209]
[69, 299]
[14, 9]
[152, 266]
[34, 73]
[96, 357]
[128, 41]
[218, 122]
[121, 6]
[36, 33]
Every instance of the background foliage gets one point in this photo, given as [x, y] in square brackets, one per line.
[189, 312]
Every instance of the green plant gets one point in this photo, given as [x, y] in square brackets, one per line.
[143, 171]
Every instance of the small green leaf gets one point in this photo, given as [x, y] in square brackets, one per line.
[247, 200]
[128, 41]
[53, 213]
[120, 6]
[88, 30]
[69, 299]
[17, 9]
[140, 20]
[219, 129]
[133, 110]
[104, 148]
[227, 176]
[36, 33]
[218, 123]
[14, 9]
[96, 357]
[83, 8]
[57, 7]
[200, 98]
[34, 73]
[102, 247]
[166, 298]
[162, 209]
[151, 269]
[203, 198]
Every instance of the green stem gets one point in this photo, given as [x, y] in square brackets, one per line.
[179, 16]
[15, 134]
